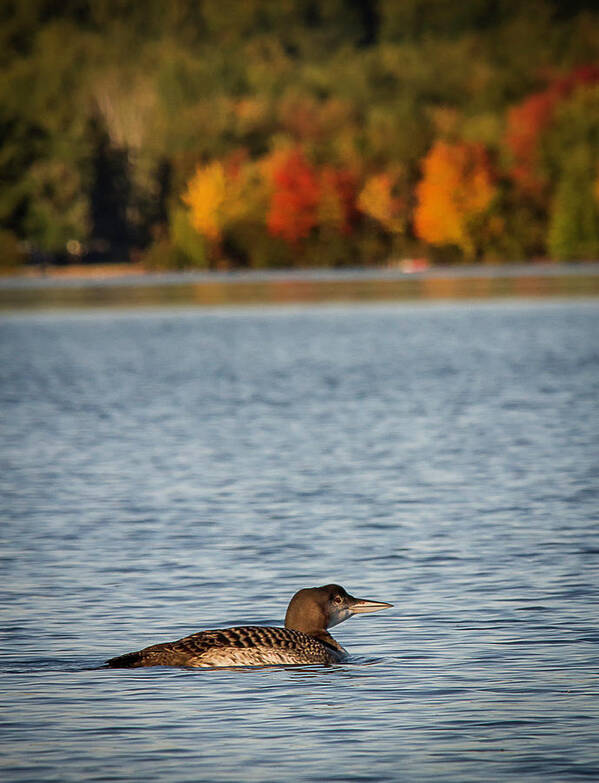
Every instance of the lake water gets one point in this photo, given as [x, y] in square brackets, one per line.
[166, 471]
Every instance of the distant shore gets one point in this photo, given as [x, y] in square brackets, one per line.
[129, 285]
[117, 272]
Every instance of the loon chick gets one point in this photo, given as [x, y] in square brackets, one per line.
[303, 640]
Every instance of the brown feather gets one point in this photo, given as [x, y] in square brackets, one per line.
[249, 645]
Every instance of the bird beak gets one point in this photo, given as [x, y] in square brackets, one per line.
[362, 606]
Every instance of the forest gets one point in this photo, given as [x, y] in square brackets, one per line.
[214, 134]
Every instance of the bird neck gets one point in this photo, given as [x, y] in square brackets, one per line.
[326, 638]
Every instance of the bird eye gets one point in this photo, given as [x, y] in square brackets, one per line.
[337, 599]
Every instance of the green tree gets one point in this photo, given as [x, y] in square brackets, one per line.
[574, 222]
[571, 160]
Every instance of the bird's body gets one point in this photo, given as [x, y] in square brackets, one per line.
[249, 645]
[304, 640]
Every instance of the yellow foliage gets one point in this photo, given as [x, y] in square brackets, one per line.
[376, 201]
[219, 195]
[205, 196]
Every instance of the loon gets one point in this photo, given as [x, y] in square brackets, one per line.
[303, 640]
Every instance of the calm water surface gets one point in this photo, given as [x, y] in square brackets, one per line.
[168, 471]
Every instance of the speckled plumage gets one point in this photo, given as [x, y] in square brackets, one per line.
[249, 645]
[304, 640]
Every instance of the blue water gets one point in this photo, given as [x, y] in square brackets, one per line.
[167, 471]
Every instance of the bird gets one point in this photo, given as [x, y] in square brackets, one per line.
[304, 639]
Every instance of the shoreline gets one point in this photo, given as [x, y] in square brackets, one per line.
[132, 273]
[127, 286]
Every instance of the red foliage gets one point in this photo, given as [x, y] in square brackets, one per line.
[584, 74]
[525, 124]
[293, 209]
[528, 119]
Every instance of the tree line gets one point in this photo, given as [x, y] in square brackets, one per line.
[215, 134]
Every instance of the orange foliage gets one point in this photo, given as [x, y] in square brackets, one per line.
[294, 202]
[376, 201]
[528, 120]
[456, 187]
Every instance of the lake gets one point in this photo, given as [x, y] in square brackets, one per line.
[169, 470]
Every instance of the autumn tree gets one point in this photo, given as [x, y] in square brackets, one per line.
[293, 211]
[455, 191]
[205, 197]
[528, 120]
[378, 201]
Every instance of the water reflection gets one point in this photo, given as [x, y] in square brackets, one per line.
[302, 288]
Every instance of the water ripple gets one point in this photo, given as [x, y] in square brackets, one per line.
[163, 472]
